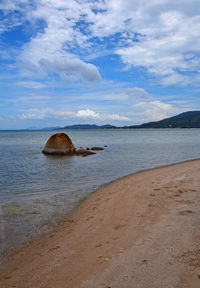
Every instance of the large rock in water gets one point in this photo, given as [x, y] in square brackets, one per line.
[59, 144]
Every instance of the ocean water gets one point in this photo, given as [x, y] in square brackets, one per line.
[37, 190]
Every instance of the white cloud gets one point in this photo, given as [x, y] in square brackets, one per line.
[88, 114]
[31, 84]
[166, 32]
[36, 99]
[45, 113]
[9, 5]
[68, 64]
[130, 94]
[156, 104]
[136, 92]
[168, 45]
[155, 110]
[51, 49]
[161, 36]
[12, 19]
[91, 114]
[118, 117]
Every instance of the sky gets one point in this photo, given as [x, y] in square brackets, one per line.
[119, 62]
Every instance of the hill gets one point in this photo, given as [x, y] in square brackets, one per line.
[190, 119]
[89, 126]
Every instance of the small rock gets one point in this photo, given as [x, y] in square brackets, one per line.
[96, 148]
[84, 152]
[98, 245]
[198, 273]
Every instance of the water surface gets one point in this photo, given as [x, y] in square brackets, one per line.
[37, 190]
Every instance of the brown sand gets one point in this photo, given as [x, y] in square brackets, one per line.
[141, 231]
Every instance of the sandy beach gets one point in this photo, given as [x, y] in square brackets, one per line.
[140, 231]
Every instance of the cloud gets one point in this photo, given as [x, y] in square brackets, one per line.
[167, 47]
[54, 47]
[155, 110]
[137, 92]
[13, 12]
[36, 99]
[9, 5]
[45, 113]
[93, 115]
[118, 117]
[68, 64]
[160, 36]
[31, 84]
[128, 95]
[156, 104]
[88, 114]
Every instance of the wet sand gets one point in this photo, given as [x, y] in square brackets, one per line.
[141, 231]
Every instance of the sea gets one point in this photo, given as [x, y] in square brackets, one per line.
[37, 191]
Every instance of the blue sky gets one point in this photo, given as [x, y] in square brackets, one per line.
[121, 62]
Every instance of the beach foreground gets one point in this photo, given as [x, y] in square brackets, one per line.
[139, 231]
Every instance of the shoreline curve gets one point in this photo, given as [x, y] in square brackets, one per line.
[141, 229]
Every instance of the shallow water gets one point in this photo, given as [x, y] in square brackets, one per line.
[36, 190]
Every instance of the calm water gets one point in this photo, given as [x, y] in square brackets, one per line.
[36, 190]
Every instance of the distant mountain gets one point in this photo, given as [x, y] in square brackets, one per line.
[89, 126]
[51, 128]
[190, 119]
[45, 128]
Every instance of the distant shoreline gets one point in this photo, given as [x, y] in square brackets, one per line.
[102, 129]
[189, 119]
[141, 228]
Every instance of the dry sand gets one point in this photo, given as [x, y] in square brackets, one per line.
[140, 231]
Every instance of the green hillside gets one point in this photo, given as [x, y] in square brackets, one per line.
[190, 119]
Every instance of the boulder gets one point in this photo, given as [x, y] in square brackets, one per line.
[84, 152]
[59, 144]
[96, 148]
